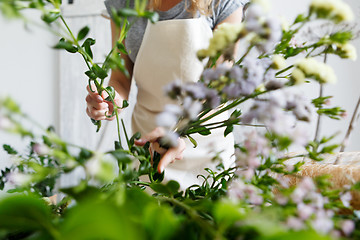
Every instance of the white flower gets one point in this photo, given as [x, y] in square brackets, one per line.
[41, 149]
[278, 62]
[5, 123]
[224, 36]
[100, 168]
[335, 10]
[18, 178]
[316, 70]
[265, 4]
[298, 76]
[347, 50]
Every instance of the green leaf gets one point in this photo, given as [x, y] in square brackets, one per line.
[121, 156]
[91, 75]
[9, 149]
[125, 104]
[111, 92]
[152, 16]
[117, 145]
[83, 33]
[62, 44]
[173, 186]
[99, 72]
[87, 46]
[299, 18]
[160, 228]
[11, 105]
[127, 12]
[50, 17]
[229, 129]
[20, 212]
[120, 46]
[101, 219]
[203, 131]
[96, 123]
[192, 140]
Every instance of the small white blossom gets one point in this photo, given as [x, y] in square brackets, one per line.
[317, 70]
[335, 10]
[18, 178]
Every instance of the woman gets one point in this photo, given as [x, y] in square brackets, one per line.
[158, 55]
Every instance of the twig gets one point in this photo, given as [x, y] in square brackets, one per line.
[354, 117]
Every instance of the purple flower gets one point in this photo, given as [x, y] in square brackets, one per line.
[305, 211]
[195, 90]
[166, 120]
[347, 226]
[41, 149]
[295, 223]
[192, 108]
[170, 139]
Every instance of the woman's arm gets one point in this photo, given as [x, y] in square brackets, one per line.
[97, 107]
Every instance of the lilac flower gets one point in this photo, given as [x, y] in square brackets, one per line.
[347, 226]
[173, 90]
[170, 139]
[239, 190]
[267, 29]
[192, 108]
[305, 211]
[41, 149]
[295, 223]
[166, 119]
[322, 224]
[345, 199]
[236, 73]
[195, 90]
[212, 98]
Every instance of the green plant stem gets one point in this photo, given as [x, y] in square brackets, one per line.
[284, 70]
[321, 93]
[126, 136]
[245, 54]
[228, 107]
[351, 127]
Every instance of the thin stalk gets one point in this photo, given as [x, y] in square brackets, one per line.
[354, 117]
[321, 93]
[126, 136]
[228, 107]
[284, 70]
[245, 54]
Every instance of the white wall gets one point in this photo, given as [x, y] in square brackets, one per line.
[28, 74]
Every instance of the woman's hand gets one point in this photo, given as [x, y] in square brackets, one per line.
[97, 107]
[167, 155]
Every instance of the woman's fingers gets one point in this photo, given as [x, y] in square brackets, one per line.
[98, 108]
[153, 136]
[171, 155]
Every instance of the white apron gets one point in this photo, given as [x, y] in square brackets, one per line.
[168, 53]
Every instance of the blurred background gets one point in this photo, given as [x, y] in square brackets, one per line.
[50, 85]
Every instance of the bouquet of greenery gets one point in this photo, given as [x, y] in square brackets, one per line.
[254, 199]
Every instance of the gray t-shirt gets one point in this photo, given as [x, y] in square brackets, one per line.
[221, 9]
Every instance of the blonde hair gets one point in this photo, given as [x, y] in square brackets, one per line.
[202, 6]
